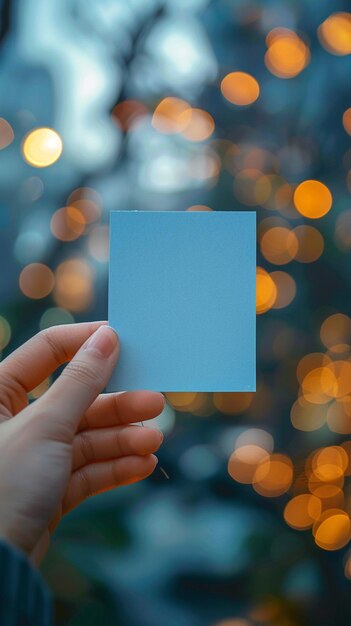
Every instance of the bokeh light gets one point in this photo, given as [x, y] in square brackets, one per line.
[333, 530]
[42, 147]
[335, 332]
[240, 88]
[54, 316]
[67, 223]
[286, 289]
[312, 199]
[128, 112]
[232, 403]
[266, 291]
[273, 476]
[279, 245]
[307, 416]
[98, 243]
[5, 332]
[196, 124]
[346, 120]
[287, 53]
[36, 280]
[244, 462]
[167, 116]
[73, 285]
[335, 33]
[302, 511]
[310, 244]
[6, 133]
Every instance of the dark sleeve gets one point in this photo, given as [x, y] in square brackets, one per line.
[25, 599]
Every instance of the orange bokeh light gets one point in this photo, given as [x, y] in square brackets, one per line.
[279, 245]
[244, 461]
[6, 133]
[346, 120]
[266, 291]
[167, 115]
[73, 287]
[333, 530]
[197, 125]
[240, 88]
[67, 223]
[273, 476]
[36, 281]
[287, 54]
[302, 511]
[335, 33]
[286, 289]
[232, 403]
[312, 199]
[310, 244]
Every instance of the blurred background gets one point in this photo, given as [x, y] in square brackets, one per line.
[195, 105]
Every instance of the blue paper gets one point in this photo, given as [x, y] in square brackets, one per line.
[182, 294]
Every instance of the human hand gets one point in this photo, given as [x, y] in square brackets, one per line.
[71, 443]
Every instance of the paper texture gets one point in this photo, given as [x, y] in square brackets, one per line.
[182, 292]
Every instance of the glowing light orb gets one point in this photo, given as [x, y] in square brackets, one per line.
[42, 147]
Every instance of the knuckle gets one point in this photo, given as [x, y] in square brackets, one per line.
[58, 351]
[85, 374]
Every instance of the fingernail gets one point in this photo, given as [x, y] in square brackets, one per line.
[103, 341]
[156, 459]
[161, 435]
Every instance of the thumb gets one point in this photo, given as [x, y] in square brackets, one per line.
[82, 380]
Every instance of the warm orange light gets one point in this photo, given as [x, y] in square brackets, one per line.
[279, 245]
[346, 120]
[244, 461]
[310, 362]
[333, 530]
[318, 385]
[339, 416]
[67, 223]
[273, 476]
[167, 117]
[329, 463]
[181, 400]
[266, 291]
[232, 403]
[36, 280]
[286, 289]
[240, 88]
[307, 416]
[312, 199]
[73, 288]
[196, 124]
[302, 511]
[126, 113]
[335, 332]
[335, 33]
[310, 244]
[287, 54]
[6, 133]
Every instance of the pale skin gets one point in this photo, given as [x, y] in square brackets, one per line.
[73, 441]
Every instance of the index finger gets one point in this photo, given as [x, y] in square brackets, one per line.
[41, 355]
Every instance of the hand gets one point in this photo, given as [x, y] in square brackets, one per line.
[71, 443]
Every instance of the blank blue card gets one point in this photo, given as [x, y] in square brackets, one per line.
[182, 297]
